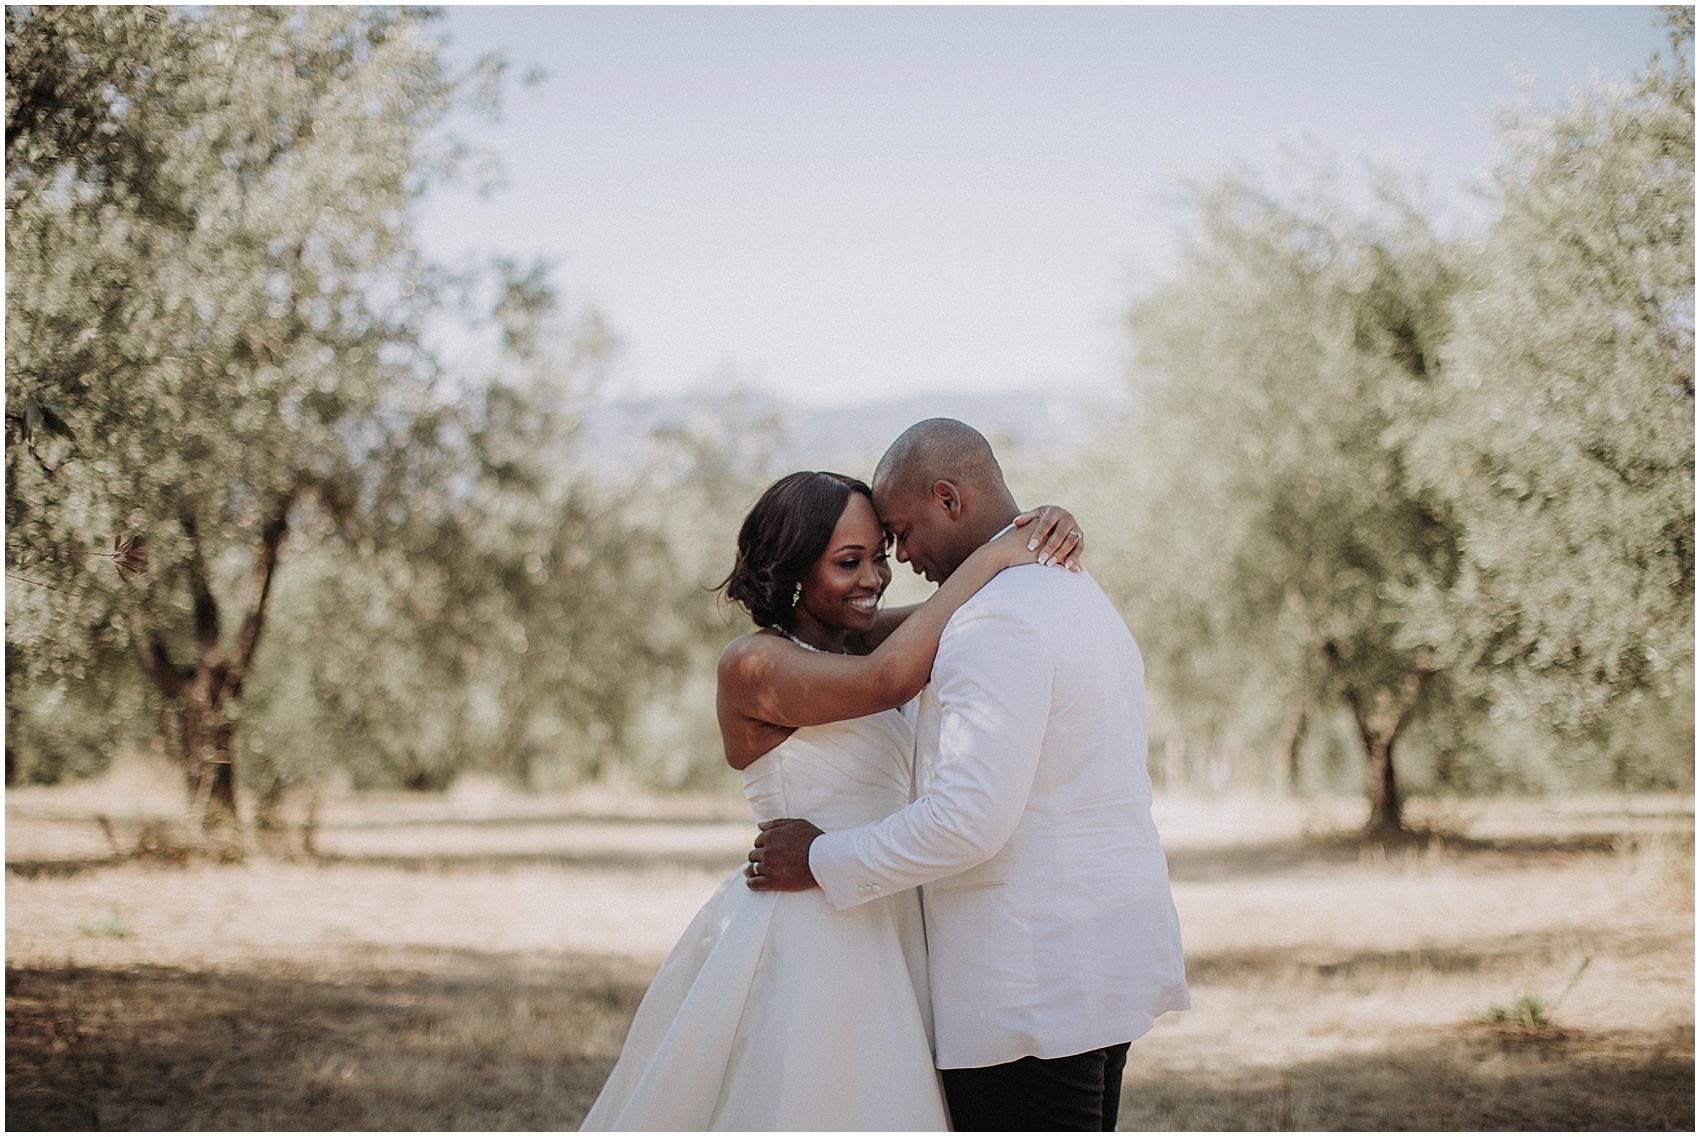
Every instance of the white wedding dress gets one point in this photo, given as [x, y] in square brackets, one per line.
[775, 1012]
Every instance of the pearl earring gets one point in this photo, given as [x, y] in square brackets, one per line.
[797, 596]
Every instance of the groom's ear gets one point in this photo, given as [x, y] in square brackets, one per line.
[948, 497]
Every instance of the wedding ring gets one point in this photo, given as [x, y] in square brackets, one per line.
[1075, 533]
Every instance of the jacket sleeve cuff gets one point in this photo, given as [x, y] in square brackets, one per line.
[832, 860]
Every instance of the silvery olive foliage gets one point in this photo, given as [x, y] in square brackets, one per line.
[282, 497]
[1273, 523]
[507, 609]
[1439, 489]
[209, 280]
[1562, 430]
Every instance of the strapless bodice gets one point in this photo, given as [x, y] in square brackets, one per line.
[838, 775]
[714, 1044]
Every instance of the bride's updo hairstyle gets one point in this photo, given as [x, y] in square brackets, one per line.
[785, 533]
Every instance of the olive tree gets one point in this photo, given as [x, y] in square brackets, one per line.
[1272, 525]
[509, 606]
[211, 294]
[1561, 432]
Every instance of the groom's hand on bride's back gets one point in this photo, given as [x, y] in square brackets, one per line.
[780, 860]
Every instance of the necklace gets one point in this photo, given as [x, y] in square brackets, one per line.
[805, 644]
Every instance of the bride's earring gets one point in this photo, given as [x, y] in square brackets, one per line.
[797, 596]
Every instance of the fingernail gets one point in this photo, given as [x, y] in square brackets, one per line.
[1033, 544]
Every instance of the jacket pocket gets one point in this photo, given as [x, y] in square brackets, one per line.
[1123, 804]
[937, 889]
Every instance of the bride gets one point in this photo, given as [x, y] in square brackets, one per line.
[774, 1011]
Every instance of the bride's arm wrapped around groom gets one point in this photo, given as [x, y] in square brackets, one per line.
[1050, 926]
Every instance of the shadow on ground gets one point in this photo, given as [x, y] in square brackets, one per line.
[460, 1040]
[453, 1041]
[1369, 968]
[1472, 1077]
[1322, 853]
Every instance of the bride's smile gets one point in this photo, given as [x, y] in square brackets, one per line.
[842, 591]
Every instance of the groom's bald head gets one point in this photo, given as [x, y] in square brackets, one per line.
[940, 491]
[938, 448]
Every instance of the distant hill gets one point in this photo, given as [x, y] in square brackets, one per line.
[850, 439]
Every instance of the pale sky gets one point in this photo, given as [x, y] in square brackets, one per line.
[846, 204]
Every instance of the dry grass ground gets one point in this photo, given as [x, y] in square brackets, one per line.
[471, 962]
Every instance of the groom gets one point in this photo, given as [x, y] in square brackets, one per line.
[1051, 935]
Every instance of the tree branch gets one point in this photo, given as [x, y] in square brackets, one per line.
[265, 570]
[206, 608]
[1366, 731]
[157, 663]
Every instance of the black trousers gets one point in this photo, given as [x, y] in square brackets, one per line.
[1082, 1091]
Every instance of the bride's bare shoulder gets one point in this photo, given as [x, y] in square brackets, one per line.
[753, 652]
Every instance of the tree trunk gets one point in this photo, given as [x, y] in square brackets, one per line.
[1379, 727]
[205, 691]
[1292, 733]
[208, 767]
[1385, 808]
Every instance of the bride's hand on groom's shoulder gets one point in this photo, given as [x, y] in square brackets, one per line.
[1053, 533]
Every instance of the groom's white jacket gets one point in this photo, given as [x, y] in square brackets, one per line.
[1050, 927]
